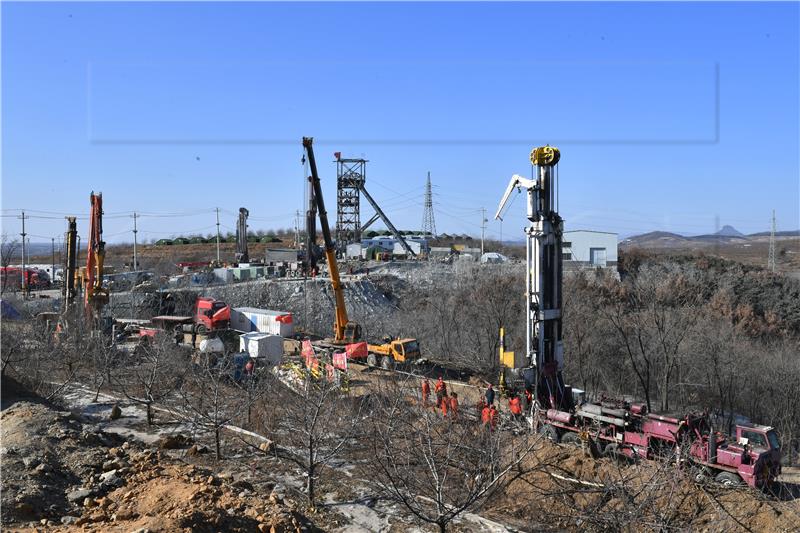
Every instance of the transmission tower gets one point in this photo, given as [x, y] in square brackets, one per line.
[771, 259]
[350, 177]
[428, 222]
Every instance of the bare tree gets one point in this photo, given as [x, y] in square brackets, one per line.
[152, 375]
[439, 468]
[8, 250]
[317, 420]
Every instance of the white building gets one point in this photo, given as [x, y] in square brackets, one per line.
[590, 248]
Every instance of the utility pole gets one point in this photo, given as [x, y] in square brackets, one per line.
[771, 259]
[53, 259]
[135, 231]
[24, 277]
[217, 235]
[297, 228]
[483, 227]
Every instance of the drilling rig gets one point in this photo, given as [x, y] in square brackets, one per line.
[242, 255]
[69, 289]
[543, 279]
[95, 295]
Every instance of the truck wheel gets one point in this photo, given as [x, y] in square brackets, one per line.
[201, 329]
[387, 363]
[372, 360]
[571, 438]
[728, 479]
[549, 432]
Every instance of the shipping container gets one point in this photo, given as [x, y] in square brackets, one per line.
[264, 346]
[247, 319]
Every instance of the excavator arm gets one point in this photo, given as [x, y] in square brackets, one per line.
[96, 296]
[343, 329]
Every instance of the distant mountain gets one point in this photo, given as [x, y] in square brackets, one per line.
[729, 231]
[790, 233]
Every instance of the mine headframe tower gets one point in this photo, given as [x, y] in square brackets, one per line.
[350, 178]
[544, 273]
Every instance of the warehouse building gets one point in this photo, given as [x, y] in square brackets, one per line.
[587, 248]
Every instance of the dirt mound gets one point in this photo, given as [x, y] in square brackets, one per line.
[66, 475]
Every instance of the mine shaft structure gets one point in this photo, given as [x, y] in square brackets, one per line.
[350, 177]
[95, 295]
[543, 280]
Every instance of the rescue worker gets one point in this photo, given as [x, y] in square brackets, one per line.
[249, 367]
[489, 395]
[493, 417]
[426, 391]
[515, 406]
[528, 399]
[443, 404]
[486, 415]
[441, 391]
[454, 405]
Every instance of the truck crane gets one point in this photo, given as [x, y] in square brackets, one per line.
[95, 295]
[344, 331]
[242, 256]
[615, 427]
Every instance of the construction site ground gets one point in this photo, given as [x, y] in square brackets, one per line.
[70, 468]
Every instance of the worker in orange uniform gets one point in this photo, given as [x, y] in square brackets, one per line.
[441, 391]
[426, 391]
[486, 415]
[443, 404]
[528, 399]
[493, 416]
[515, 405]
[454, 405]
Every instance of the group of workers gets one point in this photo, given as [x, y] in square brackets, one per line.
[486, 405]
[448, 404]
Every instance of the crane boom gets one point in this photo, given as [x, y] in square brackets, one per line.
[242, 256]
[343, 329]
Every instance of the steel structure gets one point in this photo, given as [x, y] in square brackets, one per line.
[428, 222]
[544, 346]
[350, 178]
[242, 254]
[68, 288]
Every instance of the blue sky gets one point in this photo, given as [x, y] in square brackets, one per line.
[670, 116]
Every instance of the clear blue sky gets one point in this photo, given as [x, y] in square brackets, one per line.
[669, 116]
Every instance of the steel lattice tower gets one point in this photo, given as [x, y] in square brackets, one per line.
[428, 222]
[350, 177]
[771, 258]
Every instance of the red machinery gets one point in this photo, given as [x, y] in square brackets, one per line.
[208, 315]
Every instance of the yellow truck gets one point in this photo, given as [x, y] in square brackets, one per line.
[393, 351]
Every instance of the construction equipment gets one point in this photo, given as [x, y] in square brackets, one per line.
[617, 428]
[344, 330]
[544, 348]
[393, 351]
[95, 295]
[242, 256]
[69, 289]
[208, 315]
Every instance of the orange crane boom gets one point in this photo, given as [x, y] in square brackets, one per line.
[95, 295]
[344, 331]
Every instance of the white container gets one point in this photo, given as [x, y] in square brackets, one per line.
[263, 346]
[247, 319]
[353, 250]
[223, 275]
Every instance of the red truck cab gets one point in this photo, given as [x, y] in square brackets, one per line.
[211, 314]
